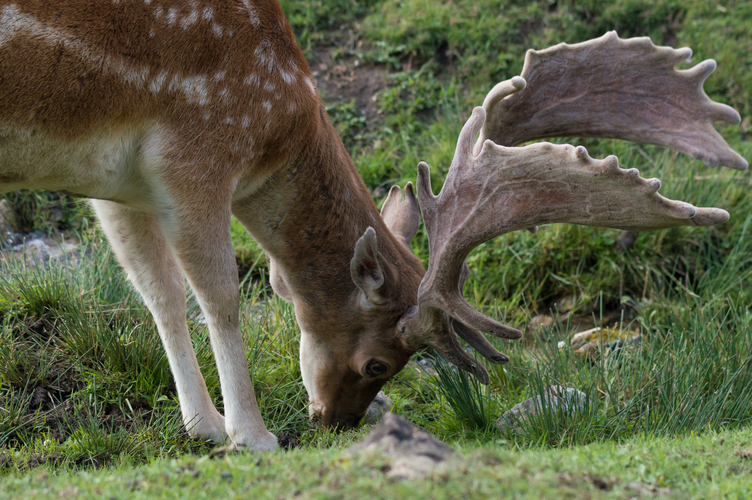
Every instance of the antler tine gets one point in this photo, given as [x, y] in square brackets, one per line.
[439, 335]
[402, 217]
[501, 189]
[614, 88]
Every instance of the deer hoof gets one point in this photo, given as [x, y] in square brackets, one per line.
[208, 428]
[265, 442]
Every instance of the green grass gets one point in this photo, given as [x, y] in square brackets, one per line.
[713, 465]
[85, 389]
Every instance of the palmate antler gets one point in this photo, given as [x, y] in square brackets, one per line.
[612, 88]
[492, 190]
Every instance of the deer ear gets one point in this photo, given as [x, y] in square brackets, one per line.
[402, 217]
[369, 271]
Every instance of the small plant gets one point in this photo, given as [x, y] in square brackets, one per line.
[472, 402]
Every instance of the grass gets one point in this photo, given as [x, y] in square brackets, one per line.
[713, 465]
[86, 393]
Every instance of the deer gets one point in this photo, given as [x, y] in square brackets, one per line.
[172, 115]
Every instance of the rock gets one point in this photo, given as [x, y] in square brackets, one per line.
[648, 491]
[411, 451]
[380, 405]
[586, 343]
[565, 304]
[424, 367]
[36, 247]
[540, 321]
[625, 240]
[570, 399]
[8, 222]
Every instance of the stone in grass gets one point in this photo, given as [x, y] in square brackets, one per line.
[569, 399]
[411, 451]
[38, 248]
[8, 220]
[588, 342]
[380, 405]
[538, 322]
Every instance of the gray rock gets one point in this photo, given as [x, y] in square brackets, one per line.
[8, 223]
[380, 405]
[625, 240]
[570, 399]
[540, 321]
[410, 450]
[36, 247]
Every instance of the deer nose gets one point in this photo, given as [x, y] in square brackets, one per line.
[345, 422]
[338, 422]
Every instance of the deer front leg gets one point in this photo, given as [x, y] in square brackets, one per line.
[143, 252]
[200, 236]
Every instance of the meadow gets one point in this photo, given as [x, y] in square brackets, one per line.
[88, 406]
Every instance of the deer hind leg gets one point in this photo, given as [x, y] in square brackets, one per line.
[142, 250]
[199, 233]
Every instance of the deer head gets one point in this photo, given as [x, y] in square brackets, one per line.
[492, 189]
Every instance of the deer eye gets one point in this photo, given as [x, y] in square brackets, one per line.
[374, 368]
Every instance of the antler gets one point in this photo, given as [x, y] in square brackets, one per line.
[613, 88]
[500, 189]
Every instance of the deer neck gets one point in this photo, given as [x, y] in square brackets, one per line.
[308, 217]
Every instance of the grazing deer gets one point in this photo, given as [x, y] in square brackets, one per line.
[173, 115]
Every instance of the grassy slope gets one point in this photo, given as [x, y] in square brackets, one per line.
[84, 382]
[714, 465]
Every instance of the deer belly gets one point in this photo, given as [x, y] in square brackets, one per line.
[107, 166]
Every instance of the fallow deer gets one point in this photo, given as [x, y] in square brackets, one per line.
[171, 115]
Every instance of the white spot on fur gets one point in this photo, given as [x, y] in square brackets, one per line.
[208, 14]
[310, 85]
[147, 2]
[207, 116]
[252, 13]
[189, 20]
[277, 96]
[156, 84]
[245, 122]
[252, 79]
[158, 12]
[217, 30]
[227, 98]
[287, 77]
[152, 33]
[267, 106]
[174, 85]
[219, 76]
[291, 107]
[265, 55]
[229, 120]
[135, 76]
[194, 88]
[269, 86]
[172, 16]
